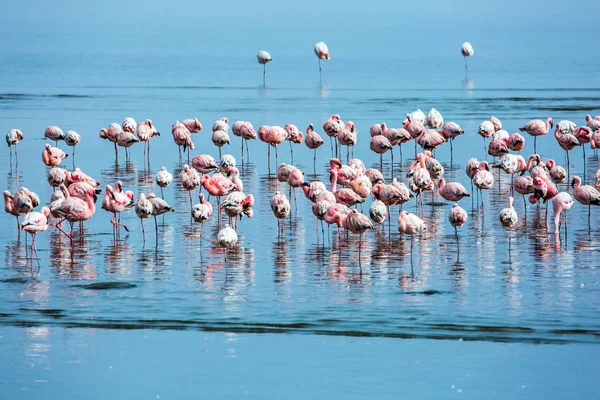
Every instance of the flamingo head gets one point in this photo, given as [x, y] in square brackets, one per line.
[225, 119]
[335, 163]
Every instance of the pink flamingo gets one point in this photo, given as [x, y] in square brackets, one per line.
[498, 147]
[202, 211]
[430, 139]
[566, 141]
[335, 214]
[396, 137]
[163, 179]
[263, 58]
[220, 138]
[190, 180]
[434, 119]
[129, 125]
[193, 125]
[111, 135]
[362, 186]
[313, 141]
[319, 209]
[561, 202]
[275, 136]
[544, 189]
[410, 224]
[54, 133]
[57, 176]
[293, 136]
[378, 212]
[486, 130]
[524, 185]
[33, 223]
[78, 176]
[13, 137]
[457, 218]
[221, 125]
[204, 163]
[79, 189]
[182, 138]
[322, 53]
[592, 123]
[344, 196]
[536, 128]
[556, 172]
[246, 131]
[332, 127]
[377, 129]
[414, 127]
[116, 202]
[586, 195]
[357, 223]
[52, 156]
[450, 130]
[159, 207]
[10, 208]
[483, 179]
[145, 132]
[508, 216]
[143, 209]
[374, 175]
[511, 164]
[218, 185]
[235, 204]
[126, 140]
[516, 142]
[313, 190]
[583, 135]
[227, 238]
[25, 200]
[348, 137]
[72, 139]
[281, 207]
[380, 145]
[74, 209]
[452, 191]
[467, 51]
[497, 123]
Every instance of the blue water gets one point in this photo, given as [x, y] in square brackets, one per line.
[289, 302]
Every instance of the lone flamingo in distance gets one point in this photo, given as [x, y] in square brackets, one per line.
[467, 51]
[263, 58]
[322, 53]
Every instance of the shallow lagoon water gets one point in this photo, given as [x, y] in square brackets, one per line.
[536, 292]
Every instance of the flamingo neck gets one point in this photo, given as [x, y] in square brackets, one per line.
[334, 179]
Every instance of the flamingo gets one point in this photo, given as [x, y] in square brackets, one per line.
[116, 202]
[57, 176]
[524, 185]
[335, 214]
[204, 163]
[227, 163]
[429, 139]
[378, 212]
[508, 216]
[567, 126]
[129, 125]
[220, 138]
[586, 195]
[227, 238]
[592, 123]
[111, 134]
[190, 180]
[293, 136]
[396, 137]
[486, 130]
[583, 135]
[9, 207]
[274, 136]
[246, 131]
[163, 179]
[263, 58]
[467, 51]
[483, 179]
[410, 224]
[126, 139]
[536, 128]
[280, 206]
[182, 138]
[380, 145]
[452, 191]
[511, 164]
[54, 133]
[74, 209]
[72, 138]
[556, 172]
[497, 123]
[235, 204]
[348, 137]
[313, 190]
[33, 223]
[193, 125]
[322, 53]
[561, 202]
[357, 223]
[332, 127]
[344, 196]
[416, 116]
[218, 185]
[143, 209]
[374, 175]
[498, 147]
[146, 131]
[159, 207]
[13, 137]
[450, 130]
[202, 211]
[434, 119]
[516, 142]
[313, 141]
[52, 156]
[457, 218]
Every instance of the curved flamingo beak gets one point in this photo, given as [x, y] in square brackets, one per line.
[573, 183]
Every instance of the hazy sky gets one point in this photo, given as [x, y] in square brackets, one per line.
[377, 28]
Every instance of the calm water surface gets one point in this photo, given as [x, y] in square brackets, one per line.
[536, 290]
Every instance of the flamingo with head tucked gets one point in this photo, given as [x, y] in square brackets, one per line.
[467, 51]
[536, 128]
[263, 58]
[322, 53]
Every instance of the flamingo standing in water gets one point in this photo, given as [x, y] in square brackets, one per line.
[246, 131]
[293, 136]
[116, 201]
[348, 137]
[313, 141]
[54, 133]
[273, 136]
[159, 207]
[586, 195]
[72, 139]
[217, 185]
[281, 207]
[146, 131]
[13, 137]
[357, 223]
[74, 209]
[182, 137]
[111, 135]
[508, 218]
[202, 211]
[322, 53]
[410, 224]
[263, 58]
[467, 51]
[536, 128]
[163, 179]
[33, 223]
[561, 202]
[143, 209]
[457, 218]
[332, 127]
[190, 180]
[52, 156]
[450, 130]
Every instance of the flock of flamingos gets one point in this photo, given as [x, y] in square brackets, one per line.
[75, 193]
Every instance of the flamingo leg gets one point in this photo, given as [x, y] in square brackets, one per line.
[466, 69]
[143, 231]
[265, 75]
[18, 229]
[315, 161]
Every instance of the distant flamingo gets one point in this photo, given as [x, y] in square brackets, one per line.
[163, 179]
[322, 53]
[457, 218]
[467, 51]
[33, 223]
[586, 195]
[263, 58]
[143, 209]
[275, 136]
[13, 137]
[536, 128]
[52, 156]
[54, 133]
